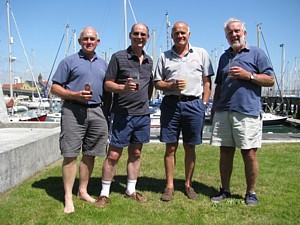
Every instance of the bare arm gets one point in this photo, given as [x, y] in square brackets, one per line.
[206, 88]
[172, 85]
[79, 96]
[150, 90]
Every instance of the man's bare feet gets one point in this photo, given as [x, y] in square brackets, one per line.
[69, 206]
[86, 197]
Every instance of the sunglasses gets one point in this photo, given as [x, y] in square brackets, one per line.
[135, 33]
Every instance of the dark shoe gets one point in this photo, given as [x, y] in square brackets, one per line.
[191, 193]
[136, 196]
[167, 195]
[101, 201]
[251, 199]
[221, 196]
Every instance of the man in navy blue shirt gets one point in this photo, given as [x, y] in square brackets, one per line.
[237, 120]
[79, 82]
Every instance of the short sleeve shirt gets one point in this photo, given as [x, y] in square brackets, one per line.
[76, 70]
[192, 67]
[242, 95]
[125, 64]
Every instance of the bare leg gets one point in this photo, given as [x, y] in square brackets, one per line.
[110, 163]
[69, 174]
[134, 162]
[170, 162]
[226, 165]
[251, 168]
[85, 171]
[190, 159]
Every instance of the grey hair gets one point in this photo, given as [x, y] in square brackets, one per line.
[232, 20]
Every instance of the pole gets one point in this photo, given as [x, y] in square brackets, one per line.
[258, 35]
[67, 39]
[10, 42]
[282, 65]
[125, 24]
[167, 29]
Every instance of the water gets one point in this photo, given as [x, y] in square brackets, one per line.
[282, 129]
[285, 129]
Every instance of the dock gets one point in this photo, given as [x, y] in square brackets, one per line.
[293, 122]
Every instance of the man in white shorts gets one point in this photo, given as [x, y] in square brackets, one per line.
[237, 120]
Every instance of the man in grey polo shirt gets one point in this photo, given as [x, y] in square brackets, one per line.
[183, 73]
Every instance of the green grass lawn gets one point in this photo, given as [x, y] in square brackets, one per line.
[39, 200]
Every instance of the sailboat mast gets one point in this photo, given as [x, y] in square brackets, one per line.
[10, 42]
[258, 35]
[282, 66]
[125, 24]
[168, 24]
[67, 39]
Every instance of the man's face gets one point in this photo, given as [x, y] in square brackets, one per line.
[235, 35]
[89, 41]
[139, 36]
[180, 34]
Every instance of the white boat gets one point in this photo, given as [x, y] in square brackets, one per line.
[155, 121]
[272, 119]
[17, 109]
[36, 104]
[54, 117]
[36, 115]
[30, 116]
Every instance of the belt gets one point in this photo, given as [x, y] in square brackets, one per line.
[85, 105]
[184, 98]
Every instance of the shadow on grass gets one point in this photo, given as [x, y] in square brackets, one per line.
[54, 186]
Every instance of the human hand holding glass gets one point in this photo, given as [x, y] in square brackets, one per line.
[234, 68]
[135, 79]
[88, 88]
[181, 81]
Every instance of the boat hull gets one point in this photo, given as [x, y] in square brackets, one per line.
[270, 119]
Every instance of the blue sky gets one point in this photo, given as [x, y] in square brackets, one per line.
[42, 24]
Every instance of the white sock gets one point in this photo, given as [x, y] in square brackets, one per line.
[130, 186]
[105, 188]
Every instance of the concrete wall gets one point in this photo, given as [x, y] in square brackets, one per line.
[25, 149]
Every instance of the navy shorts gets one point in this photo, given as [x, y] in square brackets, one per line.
[129, 130]
[82, 128]
[186, 117]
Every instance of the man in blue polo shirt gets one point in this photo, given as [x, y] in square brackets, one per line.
[79, 82]
[237, 121]
[129, 77]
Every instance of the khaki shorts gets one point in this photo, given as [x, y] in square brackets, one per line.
[234, 129]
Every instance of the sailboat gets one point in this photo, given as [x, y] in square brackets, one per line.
[271, 118]
[29, 116]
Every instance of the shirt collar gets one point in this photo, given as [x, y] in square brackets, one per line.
[191, 49]
[245, 49]
[81, 55]
[131, 54]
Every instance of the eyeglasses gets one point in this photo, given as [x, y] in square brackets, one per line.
[91, 38]
[135, 33]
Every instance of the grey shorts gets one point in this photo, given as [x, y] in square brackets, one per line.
[83, 128]
[234, 129]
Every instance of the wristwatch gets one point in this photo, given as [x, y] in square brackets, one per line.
[251, 77]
